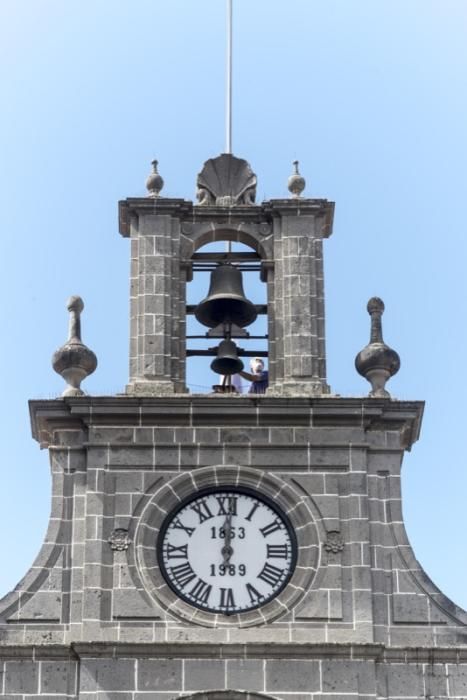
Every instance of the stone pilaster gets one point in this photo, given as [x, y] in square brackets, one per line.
[299, 360]
[157, 296]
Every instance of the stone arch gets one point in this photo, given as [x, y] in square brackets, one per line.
[248, 234]
[226, 695]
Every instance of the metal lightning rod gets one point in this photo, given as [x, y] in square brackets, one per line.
[228, 96]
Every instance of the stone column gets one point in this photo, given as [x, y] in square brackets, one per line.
[157, 297]
[300, 364]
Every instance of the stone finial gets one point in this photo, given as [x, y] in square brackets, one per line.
[377, 362]
[74, 360]
[226, 181]
[296, 183]
[154, 183]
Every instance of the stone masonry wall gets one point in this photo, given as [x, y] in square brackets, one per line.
[88, 619]
[309, 673]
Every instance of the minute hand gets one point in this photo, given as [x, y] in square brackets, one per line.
[227, 550]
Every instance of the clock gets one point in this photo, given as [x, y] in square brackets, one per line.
[227, 550]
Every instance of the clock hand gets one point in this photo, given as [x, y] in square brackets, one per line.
[227, 550]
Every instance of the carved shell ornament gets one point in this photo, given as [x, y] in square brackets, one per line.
[226, 181]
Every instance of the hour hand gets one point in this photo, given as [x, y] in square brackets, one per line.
[227, 550]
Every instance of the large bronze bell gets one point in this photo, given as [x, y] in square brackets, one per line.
[227, 361]
[226, 302]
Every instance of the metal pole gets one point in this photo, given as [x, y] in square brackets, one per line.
[228, 100]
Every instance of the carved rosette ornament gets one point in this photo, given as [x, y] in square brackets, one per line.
[226, 181]
[377, 362]
[74, 360]
[119, 540]
[334, 542]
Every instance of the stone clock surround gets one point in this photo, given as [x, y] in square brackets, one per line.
[155, 508]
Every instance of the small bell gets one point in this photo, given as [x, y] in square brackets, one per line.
[227, 361]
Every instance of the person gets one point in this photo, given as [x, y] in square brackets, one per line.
[259, 376]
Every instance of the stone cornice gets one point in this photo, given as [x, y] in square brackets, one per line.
[78, 413]
[198, 650]
[149, 205]
[185, 210]
[319, 208]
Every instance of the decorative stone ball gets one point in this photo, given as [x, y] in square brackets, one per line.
[154, 183]
[296, 183]
[375, 305]
[377, 356]
[75, 303]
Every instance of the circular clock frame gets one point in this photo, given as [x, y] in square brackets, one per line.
[278, 538]
[167, 497]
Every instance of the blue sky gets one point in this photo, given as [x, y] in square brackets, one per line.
[369, 95]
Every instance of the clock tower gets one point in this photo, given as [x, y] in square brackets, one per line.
[228, 545]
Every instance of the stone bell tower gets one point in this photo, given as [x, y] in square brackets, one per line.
[221, 545]
[287, 235]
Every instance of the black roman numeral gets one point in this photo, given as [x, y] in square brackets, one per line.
[201, 591]
[255, 595]
[227, 505]
[252, 511]
[178, 525]
[177, 552]
[183, 574]
[272, 527]
[202, 510]
[271, 574]
[277, 551]
[227, 598]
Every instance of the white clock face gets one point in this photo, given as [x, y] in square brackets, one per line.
[227, 550]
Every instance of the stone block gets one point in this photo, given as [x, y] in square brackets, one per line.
[292, 675]
[166, 457]
[198, 634]
[152, 696]
[315, 605]
[328, 505]
[245, 674]
[436, 681]
[337, 697]
[204, 674]
[413, 636]
[342, 677]
[129, 603]
[107, 674]
[309, 635]
[129, 482]
[381, 603]
[410, 608]
[58, 677]
[21, 677]
[331, 483]
[136, 456]
[184, 436]
[42, 606]
[159, 674]
[104, 695]
[457, 678]
[140, 633]
[312, 483]
[164, 435]
[400, 680]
